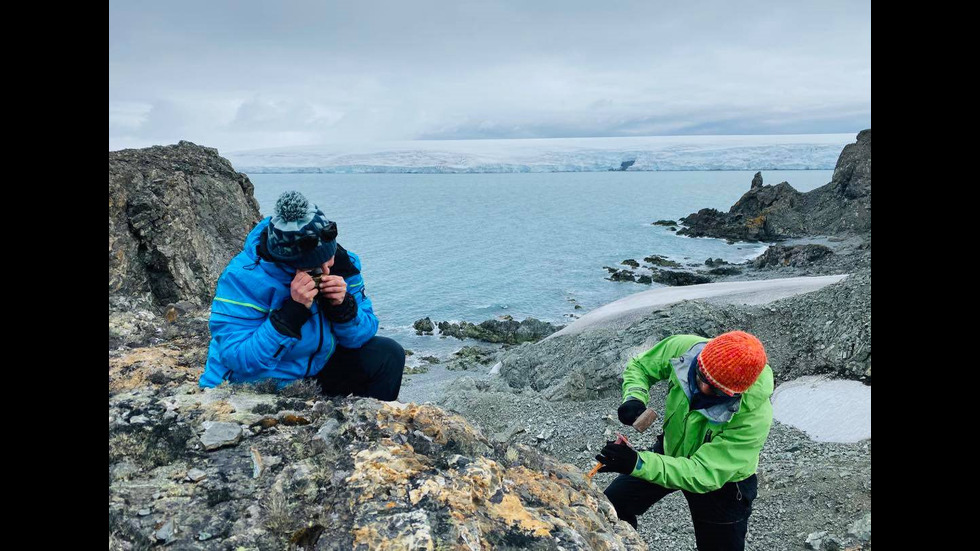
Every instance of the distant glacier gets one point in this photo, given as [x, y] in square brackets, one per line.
[653, 153]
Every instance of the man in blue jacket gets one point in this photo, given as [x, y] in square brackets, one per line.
[291, 305]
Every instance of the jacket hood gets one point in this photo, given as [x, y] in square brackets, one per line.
[251, 247]
[254, 238]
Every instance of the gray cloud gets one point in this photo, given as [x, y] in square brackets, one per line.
[243, 75]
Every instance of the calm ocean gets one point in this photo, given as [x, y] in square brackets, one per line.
[476, 246]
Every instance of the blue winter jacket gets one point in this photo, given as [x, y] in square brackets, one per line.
[246, 347]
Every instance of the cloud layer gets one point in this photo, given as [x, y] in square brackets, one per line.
[243, 75]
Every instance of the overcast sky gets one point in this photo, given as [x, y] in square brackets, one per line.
[239, 75]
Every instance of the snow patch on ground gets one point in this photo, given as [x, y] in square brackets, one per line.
[828, 410]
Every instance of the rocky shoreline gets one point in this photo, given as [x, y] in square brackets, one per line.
[251, 467]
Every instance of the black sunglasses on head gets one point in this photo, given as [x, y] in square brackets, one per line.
[327, 233]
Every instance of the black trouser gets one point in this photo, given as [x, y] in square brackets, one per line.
[373, 370]
[721, 517]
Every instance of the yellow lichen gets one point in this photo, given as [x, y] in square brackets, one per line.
[756, 222]
[132, 370]
[512, 511]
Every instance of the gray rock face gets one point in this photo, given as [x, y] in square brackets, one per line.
[219, 434]
[798, 256]
[770, 213]
[177, 215]
[823, 541]
[861, 529]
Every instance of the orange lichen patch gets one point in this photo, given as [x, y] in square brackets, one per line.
[390, 505]
[291, 419]
[433, 422]
[385, 465]
[268, 422]
[132, 370]
[512, 510]
[756, 222]
[399, 531]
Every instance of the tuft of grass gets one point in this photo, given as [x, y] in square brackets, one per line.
[277, 515]
[305, 389]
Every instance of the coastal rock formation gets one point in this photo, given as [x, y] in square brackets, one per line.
[423, 326]
[471, 357]
[660, 260]
[237, 468]
[770, 213]
[675, 278]
[507, 331]
[177, 215]
[798, 256]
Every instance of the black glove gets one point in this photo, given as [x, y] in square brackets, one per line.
[630, 410]
[339, 313]
[617, 458]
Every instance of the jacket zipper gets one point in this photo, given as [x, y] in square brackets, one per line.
[309, 364]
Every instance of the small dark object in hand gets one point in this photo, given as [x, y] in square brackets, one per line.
[317, 275]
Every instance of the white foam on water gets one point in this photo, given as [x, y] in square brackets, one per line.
[828, 410]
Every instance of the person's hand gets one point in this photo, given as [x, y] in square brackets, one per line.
[630, 410]
[617, 458]
[303, 289]
[333, 289]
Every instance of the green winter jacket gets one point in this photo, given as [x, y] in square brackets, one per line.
[706, 448]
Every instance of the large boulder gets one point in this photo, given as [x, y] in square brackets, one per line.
[177, 215]
[298, 472]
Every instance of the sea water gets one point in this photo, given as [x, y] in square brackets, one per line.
[471, 247]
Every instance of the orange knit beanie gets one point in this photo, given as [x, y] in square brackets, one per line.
[732, 361]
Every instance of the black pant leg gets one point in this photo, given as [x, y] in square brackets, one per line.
[721, 517]
[373, 370]
[632, 496]
[383, 360]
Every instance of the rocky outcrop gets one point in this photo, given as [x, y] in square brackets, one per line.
[236, 468]
[675, 278]
[771, 213]
[660, 260]
[797, 256]
[507, 331]
[472, 357]
[177, 215]
[423, 326]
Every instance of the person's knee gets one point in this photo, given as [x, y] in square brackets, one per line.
[618, 494]
[387, 359]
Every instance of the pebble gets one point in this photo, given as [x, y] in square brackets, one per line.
[196, 475]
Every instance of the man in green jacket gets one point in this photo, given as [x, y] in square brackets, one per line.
[716, 420]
